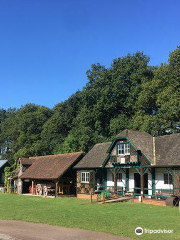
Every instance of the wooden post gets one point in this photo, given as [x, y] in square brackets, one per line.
[115, 183]
[32, 187]
[94, 182]
[153, 182]
[10, 186]
[142, 184]
[127, 179]
[56, 186]
[91, 195]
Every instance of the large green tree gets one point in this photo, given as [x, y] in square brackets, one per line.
[21, 132]
[128, 94]
[158, 105]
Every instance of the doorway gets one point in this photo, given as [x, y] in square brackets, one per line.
[137, 183]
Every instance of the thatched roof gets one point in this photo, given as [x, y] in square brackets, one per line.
[51, 167]
[95, 157]
[168, 150]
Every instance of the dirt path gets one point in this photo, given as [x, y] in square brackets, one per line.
[17, 230]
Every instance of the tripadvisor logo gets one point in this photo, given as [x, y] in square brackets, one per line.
[139, 231]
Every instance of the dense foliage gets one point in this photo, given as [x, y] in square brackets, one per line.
[129, 94]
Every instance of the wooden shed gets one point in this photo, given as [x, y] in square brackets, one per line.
[52, 174]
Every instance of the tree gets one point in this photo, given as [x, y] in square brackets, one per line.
[21, 132]
[158, 105]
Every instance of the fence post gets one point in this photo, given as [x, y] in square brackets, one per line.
[103, 198]
[142, 183]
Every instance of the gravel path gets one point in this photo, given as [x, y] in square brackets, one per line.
[17, 230]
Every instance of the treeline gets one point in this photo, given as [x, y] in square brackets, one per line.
[130, 94]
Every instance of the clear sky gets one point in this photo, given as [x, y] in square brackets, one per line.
[46, 46]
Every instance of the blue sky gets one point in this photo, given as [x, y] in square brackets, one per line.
[46, 46]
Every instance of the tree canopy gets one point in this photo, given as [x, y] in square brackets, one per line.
[129, 94]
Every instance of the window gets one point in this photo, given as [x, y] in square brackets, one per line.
[167, 178]
[85, 177]
[119, 177]
[123, 149]
[127, 148]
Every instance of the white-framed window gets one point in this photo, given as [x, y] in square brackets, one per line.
[167, 178]
[127, 148]
[85, 177]
[123, 149]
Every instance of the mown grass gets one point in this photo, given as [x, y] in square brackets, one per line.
[117, 218]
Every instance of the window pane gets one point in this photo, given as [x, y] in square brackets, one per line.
[121, 149]
[87, 177]
[83, 177]
[127, 148]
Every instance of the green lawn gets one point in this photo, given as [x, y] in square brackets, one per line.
[117, 218]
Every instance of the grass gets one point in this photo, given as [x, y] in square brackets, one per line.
[117, 218]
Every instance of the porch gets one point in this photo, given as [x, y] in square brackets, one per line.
[145, 183]
[49, 188]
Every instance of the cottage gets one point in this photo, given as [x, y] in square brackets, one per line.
[49, 175]
[3, 165]
[134, 163]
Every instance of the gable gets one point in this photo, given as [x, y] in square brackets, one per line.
[140, 141]
[127, 147]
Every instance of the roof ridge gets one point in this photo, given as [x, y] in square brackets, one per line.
[168, 135]
[102, 143]
[52, 155]
[126, 131]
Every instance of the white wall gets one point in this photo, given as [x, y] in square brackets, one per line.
[159, 179]
[131, 179]
[110, 179]
[149, 183]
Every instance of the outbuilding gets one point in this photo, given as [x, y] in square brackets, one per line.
[51, 175]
